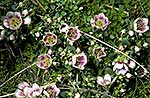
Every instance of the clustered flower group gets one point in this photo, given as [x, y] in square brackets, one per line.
[24, 90]
[14, 20]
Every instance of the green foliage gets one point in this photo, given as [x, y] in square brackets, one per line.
[26, 47]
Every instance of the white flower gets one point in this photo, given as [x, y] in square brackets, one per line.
[19, 93]
[49, 52]
[145, 44]
[79, 61]
[141, 25]
[22, 90]
[64, 28]
[52, 91]
[104, 81]
[37, 34]
[77, 95]
[36, 90]
[131, 33]
[44, 61]
[128, 75]
[100, 21]
[23, 85]
[80, 8]
[25, 12]
[131, 64]
[73, 34]
[123, 31]
[136, 49]
[13, 20]
[49, 20]
[50, 39]
[120, 68]
[99, 52]
[27, 20]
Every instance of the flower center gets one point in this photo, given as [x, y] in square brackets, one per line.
[140, 25]
[46, 62]
[14, 22]
[78, 61]
[71, 34]
[100, 23]
[50, 39]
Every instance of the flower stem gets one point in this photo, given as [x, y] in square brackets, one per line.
[111, 47]
[7, 95]
[16, 75]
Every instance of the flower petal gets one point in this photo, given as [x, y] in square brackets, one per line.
[145, 20]
[100, 81]
[131, 64]
[10, 14]
[17, 15]
[119, 65]
[27, 20]
[107, 79]
[64, 28]
[23, 85]
[19, 93]
[6, 23]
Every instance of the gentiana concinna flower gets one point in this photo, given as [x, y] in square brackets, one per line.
[140, 71]
[120, 68]
[99, 52]
[22, 90]
[141, 25]
[100, 21]
[73, 34]
[104, 81]
[51, 91]
[79, 61]
[50, 39]
[13, 20]
[35, 91]
[44, 61]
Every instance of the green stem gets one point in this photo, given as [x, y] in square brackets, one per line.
[7, 95]
[16, 74]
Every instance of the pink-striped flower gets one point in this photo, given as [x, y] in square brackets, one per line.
[50, 39]
[120, 68]
[73, 34]
[44, 61]
[99, 52]
[104, 81]
[35, 91]
[79, 61]
[140, 71]
[100, 21]
[52, 91]
[13, 20]
[22, 90]
[19, 93]
[141, 25]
